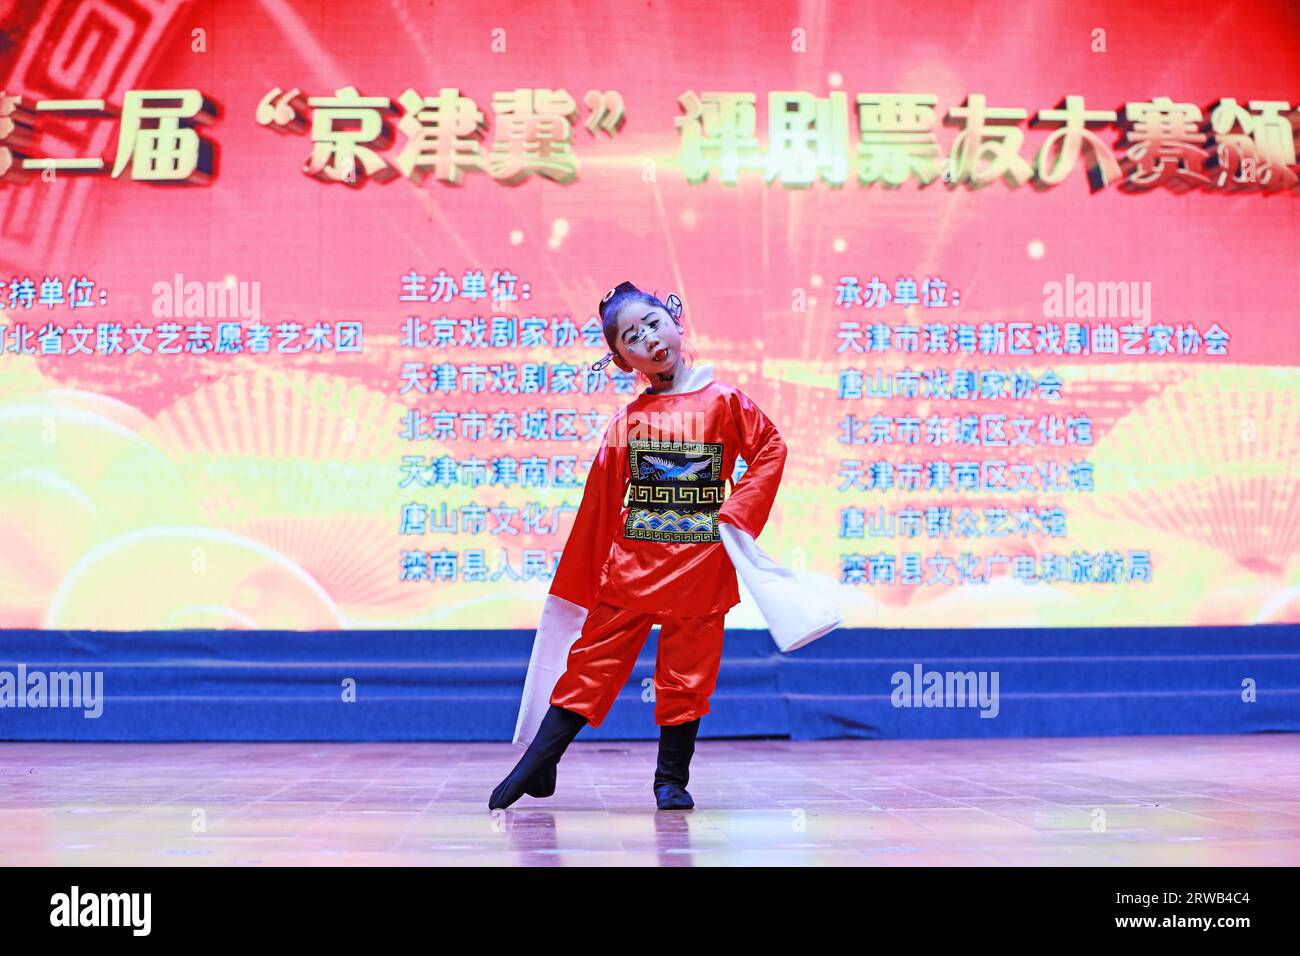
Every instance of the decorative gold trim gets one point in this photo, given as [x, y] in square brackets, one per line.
[678, 494]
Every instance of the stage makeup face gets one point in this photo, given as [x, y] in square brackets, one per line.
[650, 342]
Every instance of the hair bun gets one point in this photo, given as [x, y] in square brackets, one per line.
[621, 287]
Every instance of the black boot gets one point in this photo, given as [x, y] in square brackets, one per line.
[673, 772]
[535, 772]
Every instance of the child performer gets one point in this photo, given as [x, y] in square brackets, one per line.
[667, 555]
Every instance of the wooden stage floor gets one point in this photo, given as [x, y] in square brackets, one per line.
[1158, 801]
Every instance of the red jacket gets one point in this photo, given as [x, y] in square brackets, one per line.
[675, 561]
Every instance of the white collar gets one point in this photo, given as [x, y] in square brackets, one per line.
[696, 377]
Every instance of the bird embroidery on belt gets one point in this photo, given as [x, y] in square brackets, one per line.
[667, 469]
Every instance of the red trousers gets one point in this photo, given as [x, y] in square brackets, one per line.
[602, 658]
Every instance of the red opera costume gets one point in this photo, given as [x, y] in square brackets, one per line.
[656, 539]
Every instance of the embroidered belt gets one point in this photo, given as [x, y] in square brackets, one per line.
[702, 495]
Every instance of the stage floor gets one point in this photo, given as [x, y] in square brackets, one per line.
[1205, 801]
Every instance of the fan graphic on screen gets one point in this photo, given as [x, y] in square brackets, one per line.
[307, 464]
[1214, 461]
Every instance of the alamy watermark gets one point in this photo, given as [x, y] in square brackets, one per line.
[946, 689]
[77, 908]
[647, 426]
[1086, 299]
[228, 298]
[24, 688]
